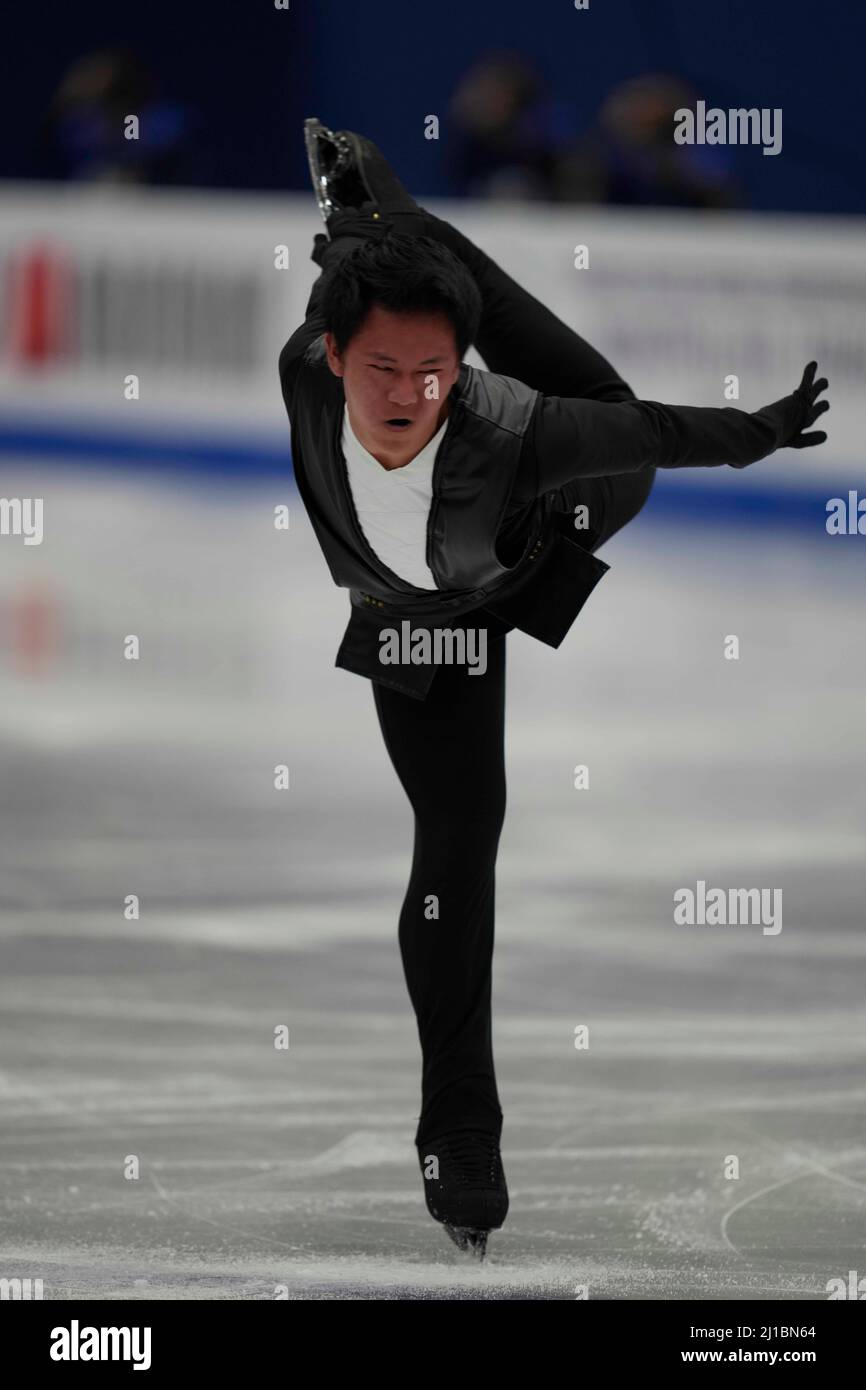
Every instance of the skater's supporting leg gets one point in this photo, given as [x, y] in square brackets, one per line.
[448, 752]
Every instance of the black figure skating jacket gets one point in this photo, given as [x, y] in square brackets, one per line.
[496, 541]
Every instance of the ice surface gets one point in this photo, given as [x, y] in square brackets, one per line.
[263, 1168]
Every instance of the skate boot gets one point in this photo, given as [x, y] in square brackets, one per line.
[470, 1195]
[350, 172]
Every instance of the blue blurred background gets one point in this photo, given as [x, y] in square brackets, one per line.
[520, 89]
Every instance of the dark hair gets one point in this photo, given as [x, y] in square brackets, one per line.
[406, 274]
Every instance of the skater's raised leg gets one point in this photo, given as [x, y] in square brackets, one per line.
[520, 337]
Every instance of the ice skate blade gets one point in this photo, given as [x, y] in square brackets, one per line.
[328, 155]
[472, 1239]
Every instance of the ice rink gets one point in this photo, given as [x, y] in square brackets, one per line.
[263, 1169]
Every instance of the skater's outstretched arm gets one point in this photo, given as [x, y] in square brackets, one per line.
[590, 439]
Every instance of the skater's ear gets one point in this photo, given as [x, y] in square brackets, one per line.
[335, 360]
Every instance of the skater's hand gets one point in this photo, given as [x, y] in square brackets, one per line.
[354, 224]
[793, 414]
[807, 393]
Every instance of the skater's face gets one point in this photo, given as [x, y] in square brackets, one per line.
[397, 372]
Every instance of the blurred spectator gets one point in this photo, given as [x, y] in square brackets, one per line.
[508, 130]
[630, 156]
[83, 133]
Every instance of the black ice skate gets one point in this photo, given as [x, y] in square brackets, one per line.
[350, 173]
[470, 1195]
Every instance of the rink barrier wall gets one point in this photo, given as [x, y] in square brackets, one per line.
[181, 288]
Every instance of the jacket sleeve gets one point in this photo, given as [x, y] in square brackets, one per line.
[571, 438]
[304, 338]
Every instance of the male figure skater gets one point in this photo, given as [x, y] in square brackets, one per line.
[440, 493]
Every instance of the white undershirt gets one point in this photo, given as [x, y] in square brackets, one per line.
[393, 504]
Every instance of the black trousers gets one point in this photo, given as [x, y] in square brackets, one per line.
[449, 750]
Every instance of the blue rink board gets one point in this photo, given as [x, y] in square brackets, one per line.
[236, 460]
